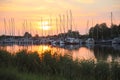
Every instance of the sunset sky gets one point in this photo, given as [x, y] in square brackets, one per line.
[32, 11]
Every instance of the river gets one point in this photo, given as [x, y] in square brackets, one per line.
[81, 52]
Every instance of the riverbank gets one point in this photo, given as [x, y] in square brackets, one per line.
[30, 66]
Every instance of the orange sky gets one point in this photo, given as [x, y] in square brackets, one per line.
[31, 11]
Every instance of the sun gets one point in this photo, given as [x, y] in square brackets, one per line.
[45, 25]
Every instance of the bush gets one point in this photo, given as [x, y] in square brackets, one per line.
[102, 71]
[6, 73]
[5, 58]
[115, 71]
[29, 62]
[55, 65]
[87, 69]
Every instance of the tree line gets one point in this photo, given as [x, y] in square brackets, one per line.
[103, 32]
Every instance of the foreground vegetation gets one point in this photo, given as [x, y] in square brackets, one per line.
[30, 66]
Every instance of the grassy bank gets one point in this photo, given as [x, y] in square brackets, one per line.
[31, 66]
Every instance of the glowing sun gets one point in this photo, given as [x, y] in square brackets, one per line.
[45, 25]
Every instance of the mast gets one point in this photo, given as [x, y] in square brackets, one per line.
[26, 25]
[30, 27]
[67, 20]
[93, 28]
[70, 20]
[92, 22]
[64, 23]
[60, 23]
[87, 26]
[111, 19]
[10, 26]
[13, 22]
[111, 24]
[23, 24]
[5, 25]
[41, 25]
[51, 24]
[56, 25]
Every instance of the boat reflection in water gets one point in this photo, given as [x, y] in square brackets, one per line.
[80, 52]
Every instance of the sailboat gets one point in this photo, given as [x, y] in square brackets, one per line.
[116, 40]
[71, 40]
[10, 39]
[89, 40]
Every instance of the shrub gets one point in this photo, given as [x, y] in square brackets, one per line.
[5, 58]
[102, 71]
[29, 62]
[115, 71]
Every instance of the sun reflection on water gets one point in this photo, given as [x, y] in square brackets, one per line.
[82, 53]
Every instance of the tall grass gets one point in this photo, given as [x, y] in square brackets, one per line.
[5, 58]
[31, 66]
[102, 71]
[115, 71]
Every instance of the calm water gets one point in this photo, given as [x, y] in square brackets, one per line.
[86, 52]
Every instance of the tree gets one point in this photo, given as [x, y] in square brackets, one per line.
[99, 31]
[27, 35]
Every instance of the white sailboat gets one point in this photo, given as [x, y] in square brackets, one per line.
[116, 40]
[90, 41]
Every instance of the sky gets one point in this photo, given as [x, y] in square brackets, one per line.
[43, 16]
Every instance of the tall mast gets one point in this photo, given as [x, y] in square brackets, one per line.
[42, 25]
[64, 23]
[111, 19]
[23, 24]
[92, 22]
[67, 20]
[51, 24]
[5, 25]
[13, 21]
[48, 26]
[93, 28]
[60, 23]
[12, 25]
[70, 20]
[87, 26]
[56, 25]
[30, 27]
[111, 25]
[26, 25]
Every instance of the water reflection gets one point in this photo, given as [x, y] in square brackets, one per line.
[107, 53]
[81, 52]
[84, 53]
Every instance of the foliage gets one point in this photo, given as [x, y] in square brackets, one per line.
[115, 71]
[31, 66]
[102, 31]
[27, 35]
[102, 71]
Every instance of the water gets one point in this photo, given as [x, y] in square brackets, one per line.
[86, 52]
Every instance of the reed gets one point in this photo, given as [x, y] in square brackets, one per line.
[31, 66]
[115, 71]
[102, 71]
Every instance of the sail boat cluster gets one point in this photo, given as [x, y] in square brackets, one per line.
[63, 38]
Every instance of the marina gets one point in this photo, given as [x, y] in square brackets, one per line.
[59, 39]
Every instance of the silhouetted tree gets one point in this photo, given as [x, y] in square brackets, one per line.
[102, 31]
[28, 35]
[115, 31]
